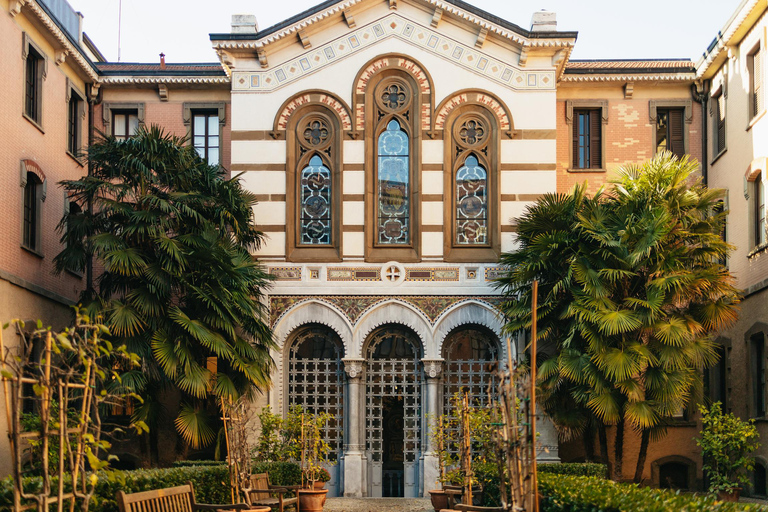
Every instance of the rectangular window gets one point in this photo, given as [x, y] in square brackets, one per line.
[205, 135]
[124, 123]
[718, 128]
[757, 364]
[33, 84]
[669, 131]
[74, 123]
[755, 69]
[715, 379]
[31, 213]
[759, 213]
[587, 139]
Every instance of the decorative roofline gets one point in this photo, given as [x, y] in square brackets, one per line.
[719, 45]
[481, 18]
[627, 77]
[153, 80]
[72, 50]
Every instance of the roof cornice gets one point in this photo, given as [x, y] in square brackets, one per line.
[627, 77]
[718, 49]
[167, 80]
[458, 8]
[72, 50]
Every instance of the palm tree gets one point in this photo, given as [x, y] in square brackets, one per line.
[179, 286]
[632, 290]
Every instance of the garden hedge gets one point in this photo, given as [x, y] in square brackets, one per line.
[574, 469]
[280, 473]
[188, 463]
[561, 493]
[211, 485]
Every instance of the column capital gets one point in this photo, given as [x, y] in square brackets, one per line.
[353, 367]
[433, 367]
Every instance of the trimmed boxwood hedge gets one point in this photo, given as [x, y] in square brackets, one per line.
[280, 473]
[188, 463]
[574, 469]
[560, 493]
[211, 485]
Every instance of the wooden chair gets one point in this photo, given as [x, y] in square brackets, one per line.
[261, 493]
[172, 499]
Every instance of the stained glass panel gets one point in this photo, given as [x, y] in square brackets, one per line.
[471, 203]
[315, 216]
[394, 186]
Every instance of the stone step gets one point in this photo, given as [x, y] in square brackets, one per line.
[378, 505]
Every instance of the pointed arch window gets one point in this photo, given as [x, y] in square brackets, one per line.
[313, 201]
[393, 181]
[472, 186]
[393, 128]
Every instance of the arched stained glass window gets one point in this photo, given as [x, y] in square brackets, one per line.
[393, 185]
[471, 203]
[316, 196]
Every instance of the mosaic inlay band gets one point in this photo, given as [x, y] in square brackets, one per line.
[394, 25]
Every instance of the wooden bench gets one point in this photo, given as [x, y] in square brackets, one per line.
[261, 493]
[172, 499]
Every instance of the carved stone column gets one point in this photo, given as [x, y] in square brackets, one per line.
[433, 370]
[354, 469]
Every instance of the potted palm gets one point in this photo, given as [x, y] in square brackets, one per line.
[726, 443]
[314, 452]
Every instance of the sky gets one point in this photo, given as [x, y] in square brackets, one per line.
[607, 28]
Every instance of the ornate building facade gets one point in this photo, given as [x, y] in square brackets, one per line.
[391, 145]
[394, 146]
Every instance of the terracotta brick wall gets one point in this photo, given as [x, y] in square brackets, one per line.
[22, 140]
[629, 132]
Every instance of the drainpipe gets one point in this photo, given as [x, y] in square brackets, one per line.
[700, 94]
[94, 94]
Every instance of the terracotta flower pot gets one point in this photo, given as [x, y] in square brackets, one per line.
[439, 499]
[312, 500]
[732, 495]
[319, 485]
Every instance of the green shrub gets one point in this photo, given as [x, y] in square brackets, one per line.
[562, 493]
[574, 469]
[188, 463]
[211, 485]
[280, 473]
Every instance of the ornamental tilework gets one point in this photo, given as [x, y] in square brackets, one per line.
[354, 306]
[286, 273]
[354, 274]
[492, 273]
[393, 25]
[432, 274]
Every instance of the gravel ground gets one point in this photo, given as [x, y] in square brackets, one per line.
[378, 505]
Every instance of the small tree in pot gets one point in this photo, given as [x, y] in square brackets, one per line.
[313, 453]
[726, 443]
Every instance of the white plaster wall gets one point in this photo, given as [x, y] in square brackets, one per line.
[258, 151]
[528, 182]
[354, 182]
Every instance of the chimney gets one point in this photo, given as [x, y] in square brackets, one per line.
[544, 21]
[162, 61]
[79, 27]
[244, 24]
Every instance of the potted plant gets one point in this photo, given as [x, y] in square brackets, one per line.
[437, 495]
[323, 478]
[726, 443]
[313, 452]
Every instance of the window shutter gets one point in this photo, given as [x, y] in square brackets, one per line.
[575, 129]
[676, 136]
[757, 81]
[595, 140]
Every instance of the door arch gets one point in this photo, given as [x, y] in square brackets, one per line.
[316, 379]
[471, 354]
[393, 410]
